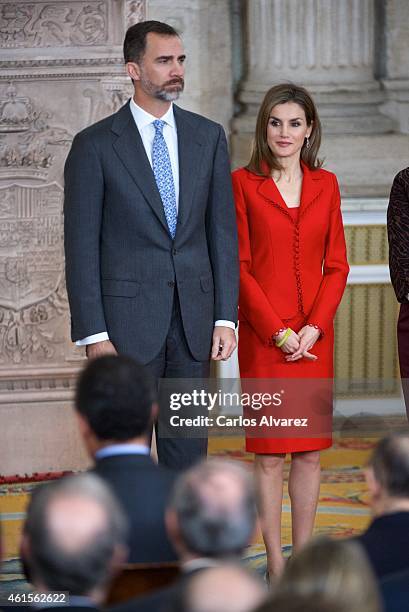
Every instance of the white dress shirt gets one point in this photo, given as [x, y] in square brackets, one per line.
[144, 123]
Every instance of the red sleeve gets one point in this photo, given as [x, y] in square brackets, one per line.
[335, 268]
[253, 302]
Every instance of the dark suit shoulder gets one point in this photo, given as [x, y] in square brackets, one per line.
[197, 119]
[96, 128]
[104, 125]
[205, 130]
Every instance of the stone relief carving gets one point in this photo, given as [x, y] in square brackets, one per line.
[85, 62]
[135, 12]
[53, 24]
[114, 94]
[32, 289]
[26, 138]
[32, 295]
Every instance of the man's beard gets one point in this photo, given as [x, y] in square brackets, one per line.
[163, 92]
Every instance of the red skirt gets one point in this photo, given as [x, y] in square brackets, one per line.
[308, 383]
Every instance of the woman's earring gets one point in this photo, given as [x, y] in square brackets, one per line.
[307, 143]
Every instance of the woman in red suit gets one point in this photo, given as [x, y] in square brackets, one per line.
[293, 272]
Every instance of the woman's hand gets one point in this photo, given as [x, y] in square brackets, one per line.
[308, 336]
[291, 344]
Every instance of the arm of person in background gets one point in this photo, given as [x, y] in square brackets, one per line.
[398, 234]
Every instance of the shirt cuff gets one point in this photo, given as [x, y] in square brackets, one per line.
[93, 339]
[223, 323]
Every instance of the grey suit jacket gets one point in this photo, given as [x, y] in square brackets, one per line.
[122, 266]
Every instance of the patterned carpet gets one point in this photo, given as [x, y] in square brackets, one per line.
[342, 509]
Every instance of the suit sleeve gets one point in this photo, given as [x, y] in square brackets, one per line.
[83, 203]
[398, 235]
[335, 268]
[222, 235]
[254, 305]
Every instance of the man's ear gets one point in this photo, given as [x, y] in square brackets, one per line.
[173, 531]
[119, 558]
[83, 426]
[24, 553]
[373, 485]
[154, 412]
[24, 546]
[88, 437]
[133, 70]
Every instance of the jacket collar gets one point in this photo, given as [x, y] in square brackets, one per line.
[311, 188]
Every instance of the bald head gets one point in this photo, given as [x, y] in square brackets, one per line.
[229, 588]
[390, 465]
[73, 535]
[214, 504]
[75, 522]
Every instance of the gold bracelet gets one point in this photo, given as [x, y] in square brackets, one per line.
[284, 339]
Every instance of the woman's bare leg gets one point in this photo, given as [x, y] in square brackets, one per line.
[303, 489]
[269, 477]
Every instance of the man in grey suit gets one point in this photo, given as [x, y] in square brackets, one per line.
[150, 232]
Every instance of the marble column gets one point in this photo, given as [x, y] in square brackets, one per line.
[326, 45]
[335, 48]
[205, 29]
[396, 61]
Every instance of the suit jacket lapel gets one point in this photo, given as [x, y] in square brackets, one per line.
[269, 190]
[129, 147]
[311, 188]
[190, 153]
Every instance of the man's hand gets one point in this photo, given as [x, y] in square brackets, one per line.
[98, 349]
[308, 336]
[224, 343]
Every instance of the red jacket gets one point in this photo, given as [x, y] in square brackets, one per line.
[287, 268]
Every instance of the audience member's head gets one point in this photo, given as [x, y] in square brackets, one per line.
[115, 402]
[231, 588]
[336, 569]
[73, 537]
[387, 474]
[212, 511]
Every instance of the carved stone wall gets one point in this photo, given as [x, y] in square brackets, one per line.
[61, 69]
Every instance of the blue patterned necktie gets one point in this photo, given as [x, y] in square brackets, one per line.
[162, 170]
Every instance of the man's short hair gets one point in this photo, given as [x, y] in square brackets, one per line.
[115, 395]
[77, 569]
[135, 38]
[390, 464]
[214, 502]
